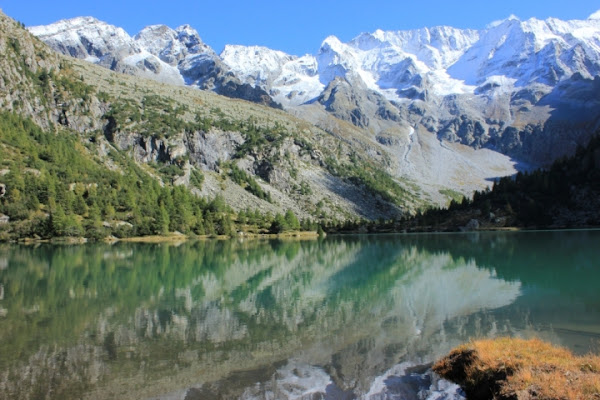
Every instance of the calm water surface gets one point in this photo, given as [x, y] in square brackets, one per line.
[337, 318]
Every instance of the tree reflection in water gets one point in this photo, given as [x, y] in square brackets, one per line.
[233, 318]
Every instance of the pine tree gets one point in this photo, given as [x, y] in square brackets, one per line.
[58, 220]
[93, 226]
[161, 223]
[291, 221]
[279, 224]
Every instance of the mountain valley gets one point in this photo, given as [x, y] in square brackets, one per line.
[377, 128]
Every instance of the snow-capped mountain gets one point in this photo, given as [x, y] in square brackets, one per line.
[498, 87]
[454, 61]
[290, 80]
[177, 56]
[86, 37]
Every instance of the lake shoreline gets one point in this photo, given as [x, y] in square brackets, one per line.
[172, 238]
[292, 235]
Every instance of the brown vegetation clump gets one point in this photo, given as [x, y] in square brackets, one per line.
[519, 369]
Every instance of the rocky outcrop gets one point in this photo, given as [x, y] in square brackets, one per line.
[351, 101]
[207, 149]
[33, 84]
[232, 87]
[517, 369]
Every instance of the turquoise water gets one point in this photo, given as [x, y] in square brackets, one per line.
[333, 318]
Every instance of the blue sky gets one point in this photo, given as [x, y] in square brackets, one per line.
[296, 27]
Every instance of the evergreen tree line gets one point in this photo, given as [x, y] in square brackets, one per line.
[532, 199]
[54, 187]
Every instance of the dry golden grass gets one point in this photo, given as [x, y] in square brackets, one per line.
[507, 368]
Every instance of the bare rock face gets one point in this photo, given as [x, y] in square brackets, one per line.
[351, 101]
[206, 149]
[341, 100]
[230, 86]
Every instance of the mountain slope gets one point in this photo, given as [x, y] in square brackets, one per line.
[521, 93]
[157, 137]
[496, 88]
[564, 196]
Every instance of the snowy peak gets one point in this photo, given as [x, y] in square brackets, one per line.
[408, 65]
[159, 40]
[291, 80]
[175, 56]
[67, 25]
[443, 39]
[531, 51]
[494, 24]
[447, 59]
[595, 16]
[337, 59]
[190, 38]
[85, 37]
[160, 37]
[330, 43]
[248, 57]
[172, 45]
[257, 65]
[157, 51]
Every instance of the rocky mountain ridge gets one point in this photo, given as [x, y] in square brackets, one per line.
[254, 157]
[458, 60]
[176, 56]
[500, 88]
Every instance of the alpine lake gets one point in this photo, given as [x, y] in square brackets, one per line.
[336, 318]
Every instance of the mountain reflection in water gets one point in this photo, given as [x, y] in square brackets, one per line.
[337, 318]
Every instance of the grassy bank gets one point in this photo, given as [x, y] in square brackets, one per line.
[518, 369]
[180, 237]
